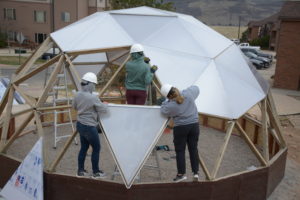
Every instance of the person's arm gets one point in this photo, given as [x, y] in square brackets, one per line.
[74, 103]
[193, 91]
[169, 109]
[99, 106]
[149, 75]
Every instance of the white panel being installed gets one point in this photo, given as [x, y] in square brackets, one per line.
[27, 181]
[132, 132]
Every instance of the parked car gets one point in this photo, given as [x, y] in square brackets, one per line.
[52, 52]
[266, 61]
[244, 44]
[236, 41]
[257, 52]
[255, 63]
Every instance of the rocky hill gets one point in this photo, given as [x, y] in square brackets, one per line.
[227, 12]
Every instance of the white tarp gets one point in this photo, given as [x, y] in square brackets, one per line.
[27, 181]
[132, 132]
[186, 51]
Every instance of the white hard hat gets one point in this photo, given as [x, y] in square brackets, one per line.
[165, 89]
[136, 48]
[90, 77]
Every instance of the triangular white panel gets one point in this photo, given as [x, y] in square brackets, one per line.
[179, 69]
[130, 22]
[82, 69]
[83, 35]
[94, 57]
[132, 132]
[27, 181]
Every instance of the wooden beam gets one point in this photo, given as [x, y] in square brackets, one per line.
[222, 149]
[251, 145]
[37, 70]
[54, 108]
[7, 117]
[116, 57]
[274, 121]
[89, 63]
[156, 87]
[101, 50]
[41, 133]
[4, 100]
[17, 133]
[265, 134]
[29, 101]
[73, 73]
[62, 152]
[205, 170]
[43, 48]
[113, 77]
[51, 81]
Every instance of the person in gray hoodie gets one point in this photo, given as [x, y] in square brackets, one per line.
[182, 108]
[89, 108]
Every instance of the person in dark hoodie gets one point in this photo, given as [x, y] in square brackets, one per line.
[89, 108]
[182, 108]
[139, 75]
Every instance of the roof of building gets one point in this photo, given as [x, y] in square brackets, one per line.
[290, 10]
[271, 19]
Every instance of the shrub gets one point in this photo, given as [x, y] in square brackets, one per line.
[263, 42]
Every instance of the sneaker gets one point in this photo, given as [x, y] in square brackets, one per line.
[98, 175]
[82, 173]
[179, 178]
[195, 177]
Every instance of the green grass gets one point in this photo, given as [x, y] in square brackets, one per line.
[14, 60]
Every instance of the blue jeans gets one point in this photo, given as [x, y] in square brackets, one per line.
[88, 136]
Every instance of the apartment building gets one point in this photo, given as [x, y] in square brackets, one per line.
[36, 19]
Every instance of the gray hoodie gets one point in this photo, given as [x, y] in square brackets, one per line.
[185, 113]
[88, 106]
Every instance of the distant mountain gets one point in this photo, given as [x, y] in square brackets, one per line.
[227, 12]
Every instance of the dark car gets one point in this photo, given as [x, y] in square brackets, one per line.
[251, 55]
[257, 52]
[52, 52]
[256, 63]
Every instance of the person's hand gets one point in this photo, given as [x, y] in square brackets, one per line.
[105, 102]
[147, 60]
[153, 69]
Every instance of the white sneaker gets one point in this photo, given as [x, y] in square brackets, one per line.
[195, 177]
[98, 175]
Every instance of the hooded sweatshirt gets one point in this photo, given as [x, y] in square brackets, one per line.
[138, 75]
[185, 113]
[88, 106]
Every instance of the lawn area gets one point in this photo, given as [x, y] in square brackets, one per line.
[14, 60]
[229, 31]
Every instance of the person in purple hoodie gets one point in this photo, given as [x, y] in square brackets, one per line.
[182, 108]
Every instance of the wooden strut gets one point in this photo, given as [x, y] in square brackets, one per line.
[73, 73]
[113, 77]
[4, 100]
[37, 70]
[62, 152]
[7, 116]
[265, 134]
[251, 145]
[47, 44]
[274, 121]
[50, 82]
[40, 131]
[222, 149]
[97, 50]
[16, 133]
[205, 170]
[29, 101]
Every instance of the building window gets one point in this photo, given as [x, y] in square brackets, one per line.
[12, 36]
[40, 37]
[40, 16]
[65, 17]
[10, 13]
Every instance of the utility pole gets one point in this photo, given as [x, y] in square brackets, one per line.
[239, 27]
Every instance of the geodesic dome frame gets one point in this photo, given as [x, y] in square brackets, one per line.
[270, 126]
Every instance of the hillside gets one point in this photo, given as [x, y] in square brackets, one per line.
[227, 12]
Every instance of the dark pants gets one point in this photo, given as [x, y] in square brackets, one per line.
[88, 136]
[186, 134]
[136, 97]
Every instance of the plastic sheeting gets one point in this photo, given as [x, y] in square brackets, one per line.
[132, 132]
[186, 51]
